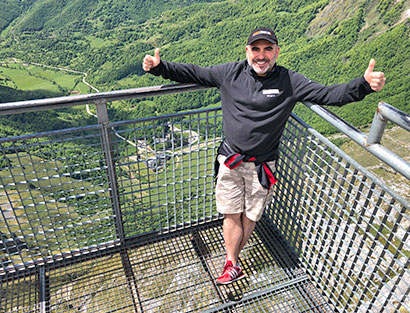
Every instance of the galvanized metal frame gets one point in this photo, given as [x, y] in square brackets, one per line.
[327, 220]
[371, 142]
[334, 230]
[385, 112]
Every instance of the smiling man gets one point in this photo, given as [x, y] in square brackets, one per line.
[258, 97]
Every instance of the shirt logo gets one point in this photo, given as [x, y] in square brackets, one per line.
[271, 92]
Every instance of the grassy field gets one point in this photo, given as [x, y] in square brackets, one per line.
[20, 78]
[97, 43]
[28, 77]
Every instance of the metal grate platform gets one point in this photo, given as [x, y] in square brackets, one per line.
[174, 274]
[121, 217]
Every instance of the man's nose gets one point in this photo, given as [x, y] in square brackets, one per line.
[258, 55]
[261, 54]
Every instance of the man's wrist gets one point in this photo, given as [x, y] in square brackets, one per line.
[156, 70]
[366, 85]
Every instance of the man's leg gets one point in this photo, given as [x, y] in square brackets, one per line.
[248, 226]
[237, 229]
[233, 234]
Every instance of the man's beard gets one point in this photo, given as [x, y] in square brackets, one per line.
[257, 69]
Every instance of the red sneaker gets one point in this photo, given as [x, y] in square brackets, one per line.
[230, 274]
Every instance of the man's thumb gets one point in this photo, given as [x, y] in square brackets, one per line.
[157, 53]
[371, 66]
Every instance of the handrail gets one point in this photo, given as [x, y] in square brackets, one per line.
[81, 203]
[385, 112]
[95, 98]
[372, 142]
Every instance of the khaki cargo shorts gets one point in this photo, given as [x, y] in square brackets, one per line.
[239, 190]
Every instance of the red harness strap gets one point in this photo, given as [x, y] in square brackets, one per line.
[264, 171]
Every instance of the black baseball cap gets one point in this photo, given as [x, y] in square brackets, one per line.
[263, 33]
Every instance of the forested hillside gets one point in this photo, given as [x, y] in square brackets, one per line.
[330, 41]
[11, 10]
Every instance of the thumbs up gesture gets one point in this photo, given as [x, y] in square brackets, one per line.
[376, 80]
[151, 61]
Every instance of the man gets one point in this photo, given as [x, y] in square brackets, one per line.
[258, 97]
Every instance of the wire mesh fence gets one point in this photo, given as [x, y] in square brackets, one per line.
[120, 217]
[54, 195]
[165, 170]
[349, 228]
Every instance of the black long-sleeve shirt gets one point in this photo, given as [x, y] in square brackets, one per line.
[255, 109]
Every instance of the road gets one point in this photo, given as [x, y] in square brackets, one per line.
[141, 146]
[65, 70]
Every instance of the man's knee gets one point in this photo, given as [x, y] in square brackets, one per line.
[236, 217]
[247, 221]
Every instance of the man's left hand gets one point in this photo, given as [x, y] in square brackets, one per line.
[376, 80]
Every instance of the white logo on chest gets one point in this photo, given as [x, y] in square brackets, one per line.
[271, 92]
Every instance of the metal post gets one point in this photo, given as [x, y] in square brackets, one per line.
[102, 115]
[385, 112]
[44, 290]
[382, 153]
[377, 129]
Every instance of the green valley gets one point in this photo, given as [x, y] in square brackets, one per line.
[31, 77]
[71, 189]
[328, 41]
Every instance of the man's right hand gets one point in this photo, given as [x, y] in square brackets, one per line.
[151, 61]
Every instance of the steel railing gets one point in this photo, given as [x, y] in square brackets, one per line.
[371, 142]
[84, 195]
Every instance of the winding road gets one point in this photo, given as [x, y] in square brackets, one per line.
[141, 146]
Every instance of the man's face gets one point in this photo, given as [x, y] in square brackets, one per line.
[262, 56]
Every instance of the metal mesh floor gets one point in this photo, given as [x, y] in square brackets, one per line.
[174, 274]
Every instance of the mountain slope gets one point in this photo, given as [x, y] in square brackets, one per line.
[60, 15]
[330, 41]
[11, 10]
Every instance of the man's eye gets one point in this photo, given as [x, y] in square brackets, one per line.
[269, 48]
[255, 49]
